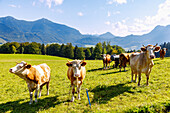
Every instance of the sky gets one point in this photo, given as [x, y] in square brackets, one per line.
[120, 17]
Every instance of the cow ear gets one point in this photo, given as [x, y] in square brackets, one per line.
[28, 66]
[157, 49]
[69, 64]
[143, 49]
[83, 64]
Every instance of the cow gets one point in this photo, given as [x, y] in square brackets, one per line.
[116, 59]
[106, 60]
[76, 73]
[35, 76]
[123, 60]
[143, 62]
[162, 53]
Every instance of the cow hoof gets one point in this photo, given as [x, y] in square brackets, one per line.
[30, 102]
[36, 100]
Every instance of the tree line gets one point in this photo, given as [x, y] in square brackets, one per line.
[64, 50]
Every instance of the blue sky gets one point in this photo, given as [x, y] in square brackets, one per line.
[120, 17]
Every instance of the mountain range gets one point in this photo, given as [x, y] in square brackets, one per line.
[46, 31]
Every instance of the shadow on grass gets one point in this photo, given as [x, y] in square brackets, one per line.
[114, 72]
[99, 69]
[103, 94]
[17, 107]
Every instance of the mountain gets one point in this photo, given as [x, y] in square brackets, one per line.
[42, 31]
[46, 31]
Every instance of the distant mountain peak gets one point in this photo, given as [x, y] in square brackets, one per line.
[107, 35]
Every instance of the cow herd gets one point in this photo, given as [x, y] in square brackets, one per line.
[39, 75]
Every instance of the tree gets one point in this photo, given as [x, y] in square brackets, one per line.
[104, 48]
[69, 53]
[34, 48]
[13, 49]
[97, 51]
[43, 49]
[62, 50]
[53, 49]
[76, 52]
[88, 53]
[81, 54]
[109, 48]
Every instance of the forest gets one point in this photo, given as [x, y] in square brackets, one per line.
[63, 50]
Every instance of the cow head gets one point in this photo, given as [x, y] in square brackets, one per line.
[150, 49]
[103, 56]
[76, 66]
[19, 68]
[165, 49]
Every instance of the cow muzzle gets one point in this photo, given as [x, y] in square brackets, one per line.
[10, 70]
[152, 56]
[76, 75]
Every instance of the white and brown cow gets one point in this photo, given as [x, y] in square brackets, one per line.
[162, 53]
[76, 74]
[106, 60]
[142, 62]
[35, 76]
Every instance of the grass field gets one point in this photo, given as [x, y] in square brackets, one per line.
[109, 90]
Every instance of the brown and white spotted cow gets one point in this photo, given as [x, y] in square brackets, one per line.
[76, 74]
[162, 53]
[142, 62]
[106, 60]
[35, 76]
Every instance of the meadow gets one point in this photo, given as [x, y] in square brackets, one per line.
[109, 90]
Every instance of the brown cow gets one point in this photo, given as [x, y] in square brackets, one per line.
[162, 53]
[106, 60]
[35, 76]
[142, 62]
[76, 74]
[123, 60]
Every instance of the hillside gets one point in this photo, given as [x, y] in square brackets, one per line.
[45, 31]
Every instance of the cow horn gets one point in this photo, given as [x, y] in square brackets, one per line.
[156, 44]
[143, 45]
[83, 60]
[68, 60]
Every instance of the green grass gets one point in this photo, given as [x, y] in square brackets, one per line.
[109, 90]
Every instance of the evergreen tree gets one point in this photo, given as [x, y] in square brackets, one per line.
[88, 53]
[62, 50]
[104, 48]
[109, 48]
[69, 53]
[81, 54]
[43, 49]
[97, 51]
[76, 52]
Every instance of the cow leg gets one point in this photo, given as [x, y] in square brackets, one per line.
[135, 77]
[40, 91]
[131, 75]
[120, 67]
[31, 93]
[139, 78]
[106, 65]
[124, 67]
[36, 92]
[78, 91]
[73, 91]
[47, 86]
[147, 79]
[109, 65]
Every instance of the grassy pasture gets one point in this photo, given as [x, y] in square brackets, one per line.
[109, 90]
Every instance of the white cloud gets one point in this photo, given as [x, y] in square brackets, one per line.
[50, 2]
[11, 5]
[33, 3]
[117, 1]
[141, 26]
[14, 6]
[80, 14]
[108, 13]
[107, 23]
